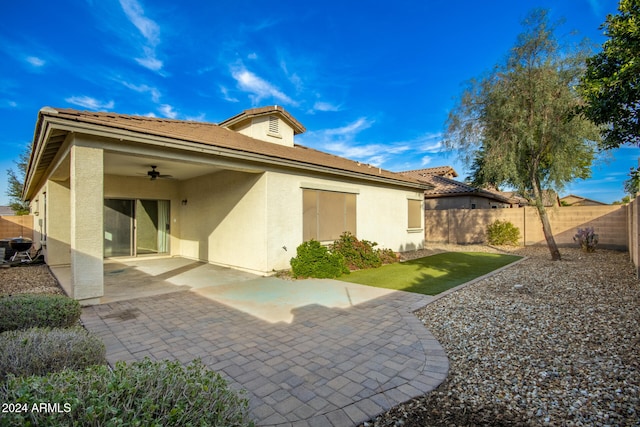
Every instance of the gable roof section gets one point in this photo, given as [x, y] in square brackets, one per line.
[572, 200]
[54, 124]
[443, 187]
[264, 111]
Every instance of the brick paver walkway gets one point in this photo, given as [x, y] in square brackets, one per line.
[329, 367]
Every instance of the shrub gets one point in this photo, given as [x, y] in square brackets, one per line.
[33, 310]
[387, 256]
[503, 233]
[358, 254]
[145, 393]
[587, 239]
[315, 260]
[39, 351]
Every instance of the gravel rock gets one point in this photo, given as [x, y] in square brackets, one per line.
[540, 343]
[33, 279]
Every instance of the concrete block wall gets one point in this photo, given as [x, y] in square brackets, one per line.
[467, 226]
[16, 226]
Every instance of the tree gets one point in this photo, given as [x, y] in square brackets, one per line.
[518, 125]
[16, 183]
[611, 83]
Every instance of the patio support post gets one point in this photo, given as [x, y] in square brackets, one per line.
[87, 205]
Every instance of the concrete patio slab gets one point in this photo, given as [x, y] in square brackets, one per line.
[311, 352]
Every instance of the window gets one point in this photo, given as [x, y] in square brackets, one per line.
[415, 214]
[327, 214]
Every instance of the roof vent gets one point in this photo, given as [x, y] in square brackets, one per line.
[273, 125]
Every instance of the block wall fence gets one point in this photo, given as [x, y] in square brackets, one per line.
[616, 225]
[16, 226]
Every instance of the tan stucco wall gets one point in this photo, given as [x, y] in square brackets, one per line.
[381, 214]
[58, 247]
[259, 129]
[223, 221]
[86, 211]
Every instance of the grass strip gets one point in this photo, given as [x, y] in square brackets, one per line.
[433, 274]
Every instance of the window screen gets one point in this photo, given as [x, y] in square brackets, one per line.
[327, 214]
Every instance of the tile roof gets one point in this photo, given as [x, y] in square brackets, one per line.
[264, 111]
[6, 211]
[572, 199]
[443, 186]
[210, 134]
[440, 170]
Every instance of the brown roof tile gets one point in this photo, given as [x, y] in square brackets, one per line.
[440, 171]
[214, 135]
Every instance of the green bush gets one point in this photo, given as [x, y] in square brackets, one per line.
[40, 351]
[145, 393]
[358, 254]
[32, 310]
[502, 233]
[314, 260]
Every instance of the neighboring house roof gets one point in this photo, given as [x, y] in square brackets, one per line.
[264, 111]
[446, 171]
[549, 198]
[6, 211]
[54, 124]
[443, 187]
[573, 200]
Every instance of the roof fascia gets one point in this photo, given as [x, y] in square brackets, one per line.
[183, 144]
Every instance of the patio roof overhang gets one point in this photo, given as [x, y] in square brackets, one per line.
[181, 157]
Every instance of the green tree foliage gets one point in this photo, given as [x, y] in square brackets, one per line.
[611, 83]
[517, 124]
[16, 182]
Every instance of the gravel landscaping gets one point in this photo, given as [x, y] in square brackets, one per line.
[539, 343]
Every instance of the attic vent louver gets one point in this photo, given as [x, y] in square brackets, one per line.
[273, 125]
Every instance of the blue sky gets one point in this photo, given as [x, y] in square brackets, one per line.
[372, 81]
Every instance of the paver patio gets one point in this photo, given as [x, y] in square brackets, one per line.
[328, 366]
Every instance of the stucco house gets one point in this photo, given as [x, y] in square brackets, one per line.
[240, 193]
[447, 193]
[573, 200]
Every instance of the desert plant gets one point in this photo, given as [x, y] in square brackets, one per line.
[587, 239]
[358, 254]
[32, 310]
[314, 260]
[144, 393]
[502, 233]
[39, 351]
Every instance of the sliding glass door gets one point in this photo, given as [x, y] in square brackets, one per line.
[135, 227]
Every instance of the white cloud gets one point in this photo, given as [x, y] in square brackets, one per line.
[149, 30]
[345, 141]
[252, 55]
[35, 61]
[90, 103]
[154, 92]
[325, 106]
[425, 161]
[168, 111]
[351, 129]
[226, 96]
[257, 87]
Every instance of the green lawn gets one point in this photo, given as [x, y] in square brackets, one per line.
[433, 274]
